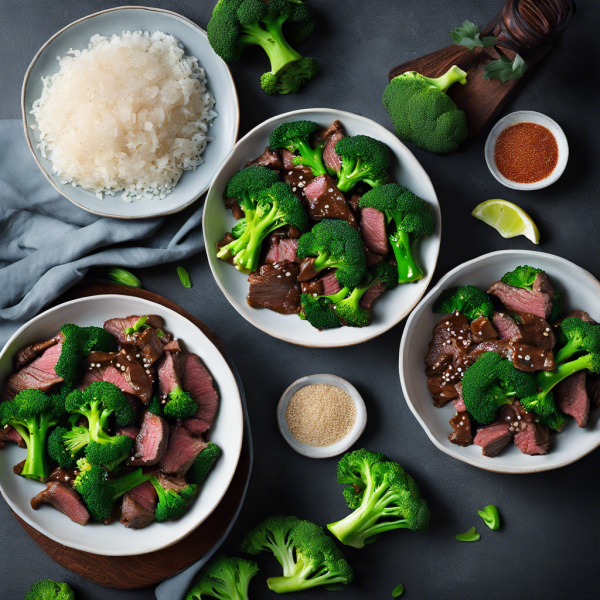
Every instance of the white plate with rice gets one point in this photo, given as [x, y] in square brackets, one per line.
[164, 115]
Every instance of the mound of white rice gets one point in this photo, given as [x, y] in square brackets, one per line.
[128, 113]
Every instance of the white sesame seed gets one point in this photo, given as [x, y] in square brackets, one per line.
[327, 206]
[330, 190]
[301, 177]
[289, 173]
[288, 274]
[294, 189]
[527, 357]
[122, 368]
[520, 356]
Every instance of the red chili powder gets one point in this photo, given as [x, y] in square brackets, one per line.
[526, 152]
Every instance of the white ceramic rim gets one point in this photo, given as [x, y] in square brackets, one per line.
[159, 309]
[520, 116]
[338, 447]
[404, 348]
[281, 335]
[24, 111]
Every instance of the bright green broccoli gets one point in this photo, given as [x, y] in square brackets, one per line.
[491, 382]
[237, 24]
[100, 493]
[557, 307]
[97, 339]
[423, 114]
[336, 245]
[237, 231]
[521, 277]
[223, 578]
[363, 159]
[205, 461]
[58, 451]
[46, 589]
[172, 504]
[309, 557]
[276, 206]
[349, 309]
[467, 299]
[180, 404]
[32, 413]
[156, 407]
[408, 217]
[319, 310]
[383, 496]
[580, 336]
[295, 137]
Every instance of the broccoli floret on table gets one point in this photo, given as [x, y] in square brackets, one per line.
[363, 159]
[224, 578]
[383, 496]
[422, 112]
[46, 589]
[295, 137]
[467, 299]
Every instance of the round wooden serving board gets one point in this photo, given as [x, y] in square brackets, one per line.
[128, 572]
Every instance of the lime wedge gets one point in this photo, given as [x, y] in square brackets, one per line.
[508, 219]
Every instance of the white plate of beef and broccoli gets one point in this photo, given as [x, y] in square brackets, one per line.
[322, 229]
[500, 362]
[119, 415]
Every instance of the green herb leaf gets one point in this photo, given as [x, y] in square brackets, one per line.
[468, 36]
[121, 277]
[184, 277]
[505, 69]
[490, 516]
[470, 536]
[398, 591]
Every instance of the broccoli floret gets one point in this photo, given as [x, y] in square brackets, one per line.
[69, 361]
[223, 578]
[59, 452]
[295, 137]
[76, 439]
[97, 339]
[239, 228]
[409, 218]
[467, 299]
[580, 336]
[336, 245]
[156, 407]
[46, 589]
[491, 382]
[110, 454]
[98, 492]
[172, 504]
[308, 556]
[423, 114]
[363, 159]
[557, 307]
[521, 277]
[319, 310]
[205, 461]
[236, 24]
[276, 206]
[555, 420]
[32, 413]
[386, 498]
[180, 405]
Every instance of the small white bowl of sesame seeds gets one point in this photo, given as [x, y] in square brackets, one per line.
[321, 416]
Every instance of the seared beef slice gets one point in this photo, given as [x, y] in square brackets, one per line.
[65, 499]
[151, 442]
[182, 451]
[197, 381]
[275, 287]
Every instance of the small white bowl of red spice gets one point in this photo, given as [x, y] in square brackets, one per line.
[321, 416]
[526, 150]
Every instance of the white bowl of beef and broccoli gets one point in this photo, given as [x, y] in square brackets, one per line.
[322, 229]
[500, 362]
[120, 425]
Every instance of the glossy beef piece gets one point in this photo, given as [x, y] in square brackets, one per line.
[63, 475]
[581, 314]
[325, 201]
[151, 442]
[275, 287]
[129, 375]
[572, 397]
[18, 468]
[371, 295]
[522, 300]
[330, 283]
[38, 375]
[182, 451]
[64, 499]
[524, 357]
[533, 439]
[330, 156]
[483, 330]
[493, 438]
[198, 382]
[10, 434]
[226, 240]
[461, 429]
[169, 374]
[307, 270]
[506, 326]
[269, 158]
[171, 482]
[148, 346]
[173, 346]
[542, 284]
[322, 135]
[314, 286]
[236, 210]
[26, 355]
[116, 327]
[131, 431]
[281, 249]
[139, 504]
[90, 375]
[458, 402]
[536, 331]
[353, 202]
[373, 228]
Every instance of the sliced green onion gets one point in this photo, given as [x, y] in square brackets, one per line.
[141, 322]
[490, 516]
[470, 536]
[398, 591]
[184, 277]
[122, 277]
[160, 333]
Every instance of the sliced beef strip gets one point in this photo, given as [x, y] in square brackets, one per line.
[307, 270]
[139, 504]
[182, 451]
[314, 286]
[461, 429]
[26, 355]
[493, 438]
[373, 228]
[372, 258]
[297, 176]
[322, 135]
[173, 346]
[282, 249]
[542, 284]
[116, 327]
[330, 283]
[226, 240]
[269, 158]
[10, 434]
[330, 156]
[535, 330]
[171, 482]
[148, 345]
[353, 202]
[64, 499]
[151, 442]
[483, 330]
[236, 210]
[131, 431]
[506, 326]
[459, 403]
[325, 201]
[522, 300]
[63, 475]
[198, 382]
[91, 375]
[275, 287]
[169, 373]
[581, 314]
[524, 357]
[371, 295]
[38, 375]
[572, 397]
[128, 374]
[533, 439]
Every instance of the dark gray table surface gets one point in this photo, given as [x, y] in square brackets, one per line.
[549, 542]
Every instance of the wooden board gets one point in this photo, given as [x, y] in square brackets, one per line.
[128, 572]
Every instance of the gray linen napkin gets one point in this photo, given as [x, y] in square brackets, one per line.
[47, 244]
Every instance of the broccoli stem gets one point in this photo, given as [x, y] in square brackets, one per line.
[260, 229]
[36, 465]
[121, 486]
[346, 179]
[408, 270]
[452, 76]
[301, 578]
[311, 157]
[570, 348]
[546, 380]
